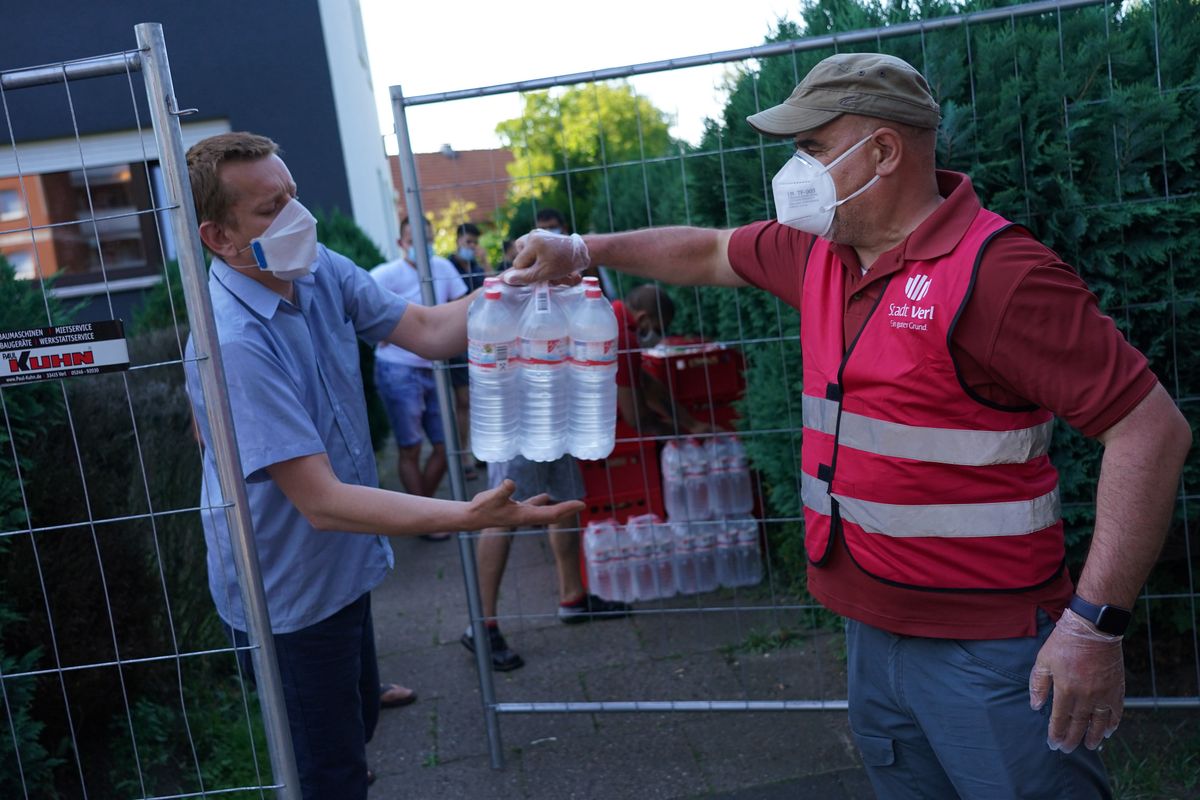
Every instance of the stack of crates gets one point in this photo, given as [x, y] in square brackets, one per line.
[705, 378]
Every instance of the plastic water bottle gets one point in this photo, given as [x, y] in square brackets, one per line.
[695, 481]
[664, 560]
[569, 297]
[749, 554]
[685, 557]
[544, 349]
[719, 485]
[741, 490]
[640, 532]
[517, 297]
[491, 367]
[704, 543]
[674, 492]
[599, 547]
[593, 371]
[727, 554]
[622, 575]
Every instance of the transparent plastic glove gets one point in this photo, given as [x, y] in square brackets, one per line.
[544, 256]
[1086, 671]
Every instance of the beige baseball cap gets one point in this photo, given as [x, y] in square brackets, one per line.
[869, 84]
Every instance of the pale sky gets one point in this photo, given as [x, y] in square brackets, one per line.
[431, 47]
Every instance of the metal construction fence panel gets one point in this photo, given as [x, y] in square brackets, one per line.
[109, 642]
[1063, 128]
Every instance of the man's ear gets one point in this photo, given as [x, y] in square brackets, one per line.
[889, 149]
[217, 239]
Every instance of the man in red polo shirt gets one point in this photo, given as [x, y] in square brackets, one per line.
[939, 342]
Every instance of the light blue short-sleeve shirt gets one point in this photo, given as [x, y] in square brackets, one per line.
[295, 389]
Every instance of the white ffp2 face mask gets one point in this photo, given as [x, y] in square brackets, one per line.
[805, 195]
[288, 247]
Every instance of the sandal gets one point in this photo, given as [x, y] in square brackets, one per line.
[396, 702]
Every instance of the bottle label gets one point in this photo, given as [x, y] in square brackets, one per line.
[544, 351]
[491, 355]
[594, 354]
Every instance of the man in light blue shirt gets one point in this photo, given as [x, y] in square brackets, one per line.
[288, 315]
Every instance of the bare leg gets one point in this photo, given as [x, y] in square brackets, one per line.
[564, 543]
[434, 470]
[408, 465]
[491, 556]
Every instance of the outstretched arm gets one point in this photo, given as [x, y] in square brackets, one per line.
[1139, 476]
[433, 332]
[678, 255]
[329, 504]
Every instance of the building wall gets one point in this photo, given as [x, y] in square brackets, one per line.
[368, 178]
[261, 66]
[466, 176]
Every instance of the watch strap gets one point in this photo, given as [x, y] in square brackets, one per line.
[1112, 620]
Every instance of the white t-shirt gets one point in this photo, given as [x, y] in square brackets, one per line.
[401, 278]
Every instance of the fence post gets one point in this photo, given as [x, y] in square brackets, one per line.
[445, 391]
[164, 111]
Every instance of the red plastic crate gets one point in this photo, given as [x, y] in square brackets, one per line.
[696, 372]
[632, 467]
[724, 414]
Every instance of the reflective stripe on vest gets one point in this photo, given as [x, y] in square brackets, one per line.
[951, 520]
[944, 445]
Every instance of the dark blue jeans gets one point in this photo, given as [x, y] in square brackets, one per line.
[331, 687]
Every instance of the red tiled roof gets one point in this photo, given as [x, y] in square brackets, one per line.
[473, 176]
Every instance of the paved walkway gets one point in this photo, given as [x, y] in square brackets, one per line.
[437, 748]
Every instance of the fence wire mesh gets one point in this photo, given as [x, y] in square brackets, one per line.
[1062, 113]
[1072, 118]
[109, 646]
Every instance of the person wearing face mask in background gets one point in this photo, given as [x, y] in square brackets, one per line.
[643, 402]
[289, 313]
[405, 380]
[470, 259]
[510, 252]
[939, 341]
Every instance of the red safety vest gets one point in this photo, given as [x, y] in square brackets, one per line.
[931, 486]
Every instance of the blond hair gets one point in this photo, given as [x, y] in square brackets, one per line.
[204, 159]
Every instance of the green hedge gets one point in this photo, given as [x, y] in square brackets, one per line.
[28, 752]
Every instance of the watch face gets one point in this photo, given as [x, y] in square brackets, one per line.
[1113, 620]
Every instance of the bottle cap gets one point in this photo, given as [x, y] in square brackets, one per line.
[491, 293]
[592, 291]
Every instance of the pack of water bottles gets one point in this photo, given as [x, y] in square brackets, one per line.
[648, 559]
[708, 481]
[543, 364]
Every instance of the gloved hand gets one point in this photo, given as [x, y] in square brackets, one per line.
[1087, 673]
[544, 256]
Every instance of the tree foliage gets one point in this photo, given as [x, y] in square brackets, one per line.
[593, 152]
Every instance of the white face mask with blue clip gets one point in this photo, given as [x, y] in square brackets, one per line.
[288, 247]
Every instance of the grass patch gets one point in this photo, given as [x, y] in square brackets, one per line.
[1154, 755]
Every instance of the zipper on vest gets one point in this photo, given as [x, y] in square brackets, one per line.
[826, 472]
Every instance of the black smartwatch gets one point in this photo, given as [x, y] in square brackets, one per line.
[1112, 620]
